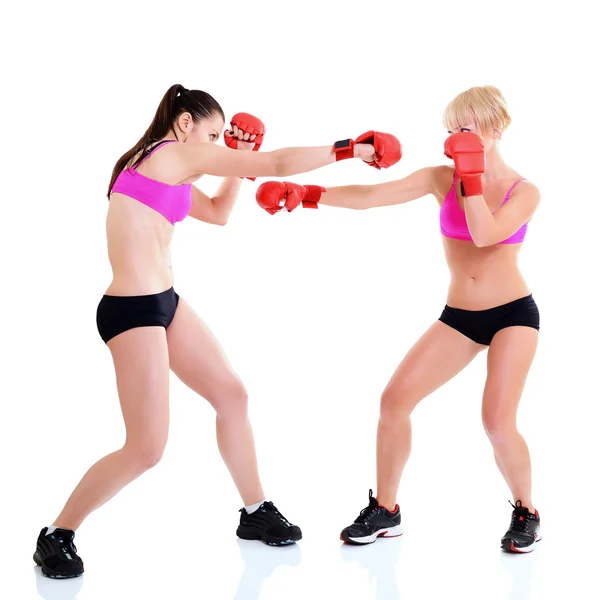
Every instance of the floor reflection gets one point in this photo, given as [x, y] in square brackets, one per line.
[521, 567]
[57, 589]
[382, 561]
[260, 562]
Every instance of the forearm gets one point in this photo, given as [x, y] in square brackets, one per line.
[356, 197]
[480, 220]
[225, 197]
[292, 161]
[414, 186]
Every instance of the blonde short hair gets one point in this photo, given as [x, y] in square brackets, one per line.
[484, 105]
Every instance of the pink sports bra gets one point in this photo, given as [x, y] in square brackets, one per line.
[453, 220]
[173, 202]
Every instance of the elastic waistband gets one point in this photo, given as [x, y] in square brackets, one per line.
[171, 290]
[523, 300]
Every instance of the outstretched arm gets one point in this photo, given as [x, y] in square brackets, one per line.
[216, 210]
[209, 159]
[274, 196]
[360, 197]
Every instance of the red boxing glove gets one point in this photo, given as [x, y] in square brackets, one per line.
[275, 195]
[248, 124]
[467, 152]
[388, 150]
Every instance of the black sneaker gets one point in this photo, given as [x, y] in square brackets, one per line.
[57, 555]
[524, 530]
[269, 525]
[374, 521]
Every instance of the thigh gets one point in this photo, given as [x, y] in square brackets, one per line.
[141, 362]
[439, 355]
[196, 357]
[509, 359]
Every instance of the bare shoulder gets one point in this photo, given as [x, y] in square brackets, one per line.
[528, 189]
[192, 156]
[529, 186]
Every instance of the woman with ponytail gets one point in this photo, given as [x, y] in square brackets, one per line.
[149, 330]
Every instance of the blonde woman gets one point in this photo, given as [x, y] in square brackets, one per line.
[485, 207]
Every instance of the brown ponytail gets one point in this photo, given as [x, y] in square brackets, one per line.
[176, 101]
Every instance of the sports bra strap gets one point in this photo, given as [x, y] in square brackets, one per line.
[151, 152]
[511, 189]
[454, 180]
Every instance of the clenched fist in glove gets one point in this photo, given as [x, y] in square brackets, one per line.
[467, 152]
[276, 195]
[388, 150]
[245, 128]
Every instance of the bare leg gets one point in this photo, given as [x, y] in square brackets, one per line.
[439, 355]
[509, 359]
[199, 361]
[142, 367]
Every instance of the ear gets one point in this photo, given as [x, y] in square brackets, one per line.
[185, 122]
[496, 133]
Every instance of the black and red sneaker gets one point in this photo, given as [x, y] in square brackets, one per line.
[269, 525]
[57, 555]
[374, 521]
[524, 530]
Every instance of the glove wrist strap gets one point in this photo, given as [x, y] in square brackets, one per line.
[471, 186]
[313, 195]
[344, 149]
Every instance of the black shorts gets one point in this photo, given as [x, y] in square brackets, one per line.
[117, 314]
[482, 325]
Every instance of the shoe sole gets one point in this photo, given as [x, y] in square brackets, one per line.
[256, 534]
[389, 532]
[509, 546]
[38, 561]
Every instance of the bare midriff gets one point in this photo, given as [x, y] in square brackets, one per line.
[483, 278]
[139, 240]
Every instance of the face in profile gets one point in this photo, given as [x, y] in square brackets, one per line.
[204, 131]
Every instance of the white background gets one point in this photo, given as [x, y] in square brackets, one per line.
[315, 309]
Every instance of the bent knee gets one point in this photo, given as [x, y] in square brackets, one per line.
[499, 430]
[396, 402]
[144, 455]
[230, 399]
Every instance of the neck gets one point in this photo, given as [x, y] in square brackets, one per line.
[495, 167]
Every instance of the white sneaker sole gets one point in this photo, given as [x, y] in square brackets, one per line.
[531, 548]
[388, 532]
